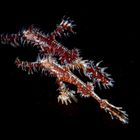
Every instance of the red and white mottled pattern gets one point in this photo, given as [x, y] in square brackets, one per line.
[56, 60]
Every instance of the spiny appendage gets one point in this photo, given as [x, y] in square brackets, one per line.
[64, 55]
[65, 94]
[36, 31]
[48, 45]
[98, 74]
[12, 39]
[114, 111]
[68, 56]
[64, 27]
[35, 36]
[93, 72]
[30, 67]
[84, 91]
[78, 64]
[38, 36]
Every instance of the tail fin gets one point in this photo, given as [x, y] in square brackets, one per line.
[114, 111]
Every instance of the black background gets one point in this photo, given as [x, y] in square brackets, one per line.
[105, 31]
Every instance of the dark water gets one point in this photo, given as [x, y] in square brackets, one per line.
[104, 32]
